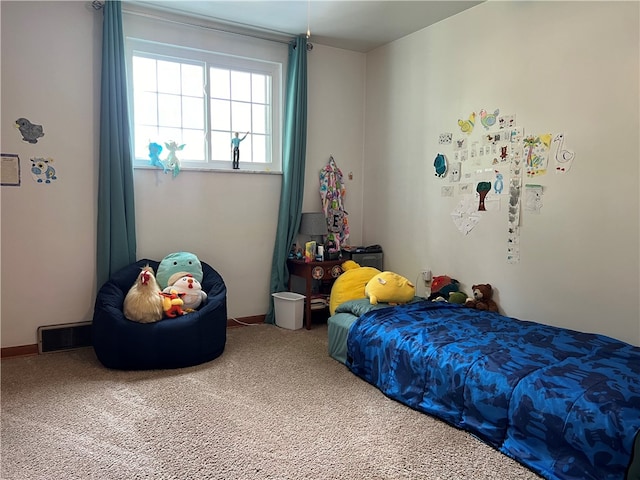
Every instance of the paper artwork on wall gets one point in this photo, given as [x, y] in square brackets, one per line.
[42, 170]
[498, 184]
[459, 144]
[501, 153]
[465, 188]
[516, 134]
[455, 171]
[446, 191]
[487, 119]
[10, 171]
[506, 121]
[513, 222]
[563, 157]
[440, 165]
[536, 148]
[482, 188]
[464, 216]
[30, 131]
[466, 126]
[533, 198]
[445, 138]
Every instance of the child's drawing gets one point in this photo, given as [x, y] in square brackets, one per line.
[536, 149]
[564, 158]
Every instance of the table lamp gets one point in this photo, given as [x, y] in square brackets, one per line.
[314, 224]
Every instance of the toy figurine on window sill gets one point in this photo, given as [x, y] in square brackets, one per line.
[235, 142]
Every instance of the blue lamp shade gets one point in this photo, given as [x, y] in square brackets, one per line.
[313, 224]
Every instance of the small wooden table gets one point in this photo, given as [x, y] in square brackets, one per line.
[326, 271]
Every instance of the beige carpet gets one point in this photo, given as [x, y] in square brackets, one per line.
[274, 405]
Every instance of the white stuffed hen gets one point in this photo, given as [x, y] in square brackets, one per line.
[192, 289]
[143, 302]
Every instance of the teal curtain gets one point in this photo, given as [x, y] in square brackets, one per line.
[293, 163]
[116, 245]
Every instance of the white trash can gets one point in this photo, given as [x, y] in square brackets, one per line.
[289, 309]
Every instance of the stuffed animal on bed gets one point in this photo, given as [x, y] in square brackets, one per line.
[389, 287]
[192, 289]
[482, 298]
[350, 284]
[178, 262]
[442, 286]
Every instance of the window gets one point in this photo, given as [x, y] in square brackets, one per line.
[200, 99]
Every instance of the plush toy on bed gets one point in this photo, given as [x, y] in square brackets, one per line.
[481, 299]
[190, 287]
[457, 297]
[389, 287]
[350, 284]
[442, 286]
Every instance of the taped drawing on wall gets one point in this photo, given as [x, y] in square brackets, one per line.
[487, 119]
[455, 171]
[466, 126]
[536, 148]
[506, 121]
[42, 170]
[445, 138]
[563, 157]
[513, 222]
[465, 215]
[533, 198]
[30, 131]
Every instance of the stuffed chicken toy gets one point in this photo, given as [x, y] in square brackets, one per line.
[142, 303]
[191, 288]
[172, 303]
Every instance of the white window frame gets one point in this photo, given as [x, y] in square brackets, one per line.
[211, 59]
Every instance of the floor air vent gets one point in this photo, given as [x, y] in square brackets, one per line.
[53, 338]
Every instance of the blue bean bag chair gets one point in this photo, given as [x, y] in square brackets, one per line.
[184, 341]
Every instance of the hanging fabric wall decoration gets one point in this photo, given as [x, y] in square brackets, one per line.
[332, 192]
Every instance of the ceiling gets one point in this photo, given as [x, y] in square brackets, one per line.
[358, 25]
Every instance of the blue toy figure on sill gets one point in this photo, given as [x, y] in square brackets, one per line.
[236, 149]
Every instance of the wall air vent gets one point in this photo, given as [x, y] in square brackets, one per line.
[66, 336]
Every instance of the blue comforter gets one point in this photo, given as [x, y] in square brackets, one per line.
[564, 403]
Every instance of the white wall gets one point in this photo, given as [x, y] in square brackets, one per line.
[567, 67]
[49, 232]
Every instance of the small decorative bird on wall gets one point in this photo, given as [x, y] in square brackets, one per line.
[30, 131]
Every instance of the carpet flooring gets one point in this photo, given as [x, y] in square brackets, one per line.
[273, 406]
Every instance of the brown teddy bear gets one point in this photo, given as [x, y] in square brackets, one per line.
[481, 299]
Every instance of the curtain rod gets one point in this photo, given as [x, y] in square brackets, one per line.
[99, 4]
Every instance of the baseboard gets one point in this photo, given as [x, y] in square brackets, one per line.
[20, 351]
[243, 321]
[26, 350]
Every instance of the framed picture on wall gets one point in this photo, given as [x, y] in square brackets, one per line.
[10, 171]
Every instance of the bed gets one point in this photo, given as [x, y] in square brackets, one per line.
[566, 404]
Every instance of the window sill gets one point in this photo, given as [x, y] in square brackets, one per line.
[210, 170]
